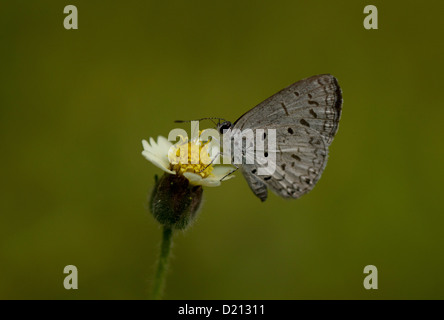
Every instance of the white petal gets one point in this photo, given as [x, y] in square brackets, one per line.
[152, 141]
[163, 146]
[159, 149]
[160, 163]
[221, 171]
[231, 176]
[145, 144]
[154, 159]
[197, 180]
[210, 182]
[216, 181]
[193, 178]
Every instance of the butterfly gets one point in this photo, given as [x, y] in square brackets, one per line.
[305, 116]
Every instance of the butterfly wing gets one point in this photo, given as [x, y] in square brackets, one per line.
[257, 185]
[305, 116]
[315, 102]
[300, 159]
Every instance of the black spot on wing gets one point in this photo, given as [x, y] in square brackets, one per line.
[285, 108]
[314, 114]
[313, 103]
[304, 123]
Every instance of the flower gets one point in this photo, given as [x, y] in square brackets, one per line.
[188, 165]
[189, 158]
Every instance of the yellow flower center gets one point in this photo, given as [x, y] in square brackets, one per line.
[191, 156]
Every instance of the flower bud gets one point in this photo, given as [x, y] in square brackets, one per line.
[174, 202]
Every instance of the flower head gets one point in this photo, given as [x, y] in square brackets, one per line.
[192, 159]
[188, 165]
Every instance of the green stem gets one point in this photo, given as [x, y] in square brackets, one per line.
[162, 266]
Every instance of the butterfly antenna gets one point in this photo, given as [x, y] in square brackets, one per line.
[212, 120]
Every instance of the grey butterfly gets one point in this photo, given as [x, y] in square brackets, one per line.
[305, 116]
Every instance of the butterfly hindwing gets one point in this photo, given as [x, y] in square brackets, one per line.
[256, 184]
[300, 158]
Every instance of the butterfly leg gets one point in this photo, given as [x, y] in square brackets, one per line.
[228, 174]
[217, 155]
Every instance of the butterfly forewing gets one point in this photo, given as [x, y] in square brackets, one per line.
[315, 102]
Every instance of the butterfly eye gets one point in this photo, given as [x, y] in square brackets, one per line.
[224, 126]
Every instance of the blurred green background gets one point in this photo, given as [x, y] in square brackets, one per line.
[75, 105]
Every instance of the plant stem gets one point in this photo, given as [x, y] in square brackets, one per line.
[162, 266]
